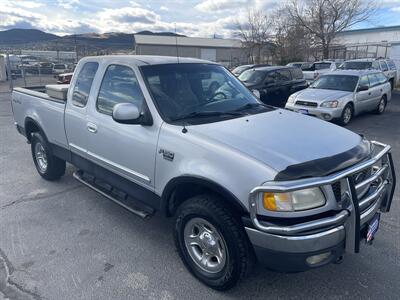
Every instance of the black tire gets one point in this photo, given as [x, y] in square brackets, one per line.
[380, 109]
[345, 119]
[54, 167]
[239, 257]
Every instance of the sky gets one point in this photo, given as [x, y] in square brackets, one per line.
[202, 18]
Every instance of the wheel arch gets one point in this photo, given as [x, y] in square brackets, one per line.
[181, 188]
[31, 126]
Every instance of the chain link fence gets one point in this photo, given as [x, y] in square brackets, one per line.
[37, 68]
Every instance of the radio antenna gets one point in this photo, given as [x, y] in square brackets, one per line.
[176, 44]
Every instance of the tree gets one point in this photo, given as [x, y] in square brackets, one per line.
[255, 34]
[291, 41]
[324, 19]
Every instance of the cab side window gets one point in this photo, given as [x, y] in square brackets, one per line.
[373, 80]
[364, 81]
[382, 78]
[284, 75]
[375, 65]
[296, 73]
[83, 84]
[384, 66]
[119, 85]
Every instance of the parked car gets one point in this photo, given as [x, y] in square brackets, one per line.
[243, 180]
[387, 66]
[240, 69]
[340, 95]
[313, 70]
[60, 68]
[296, 64]
[64, 78]
[274, 84]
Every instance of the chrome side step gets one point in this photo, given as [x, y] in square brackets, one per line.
[115, 195]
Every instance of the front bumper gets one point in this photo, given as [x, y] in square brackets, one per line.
[288, 248]
[324, 113]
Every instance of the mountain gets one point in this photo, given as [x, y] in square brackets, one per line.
[17, 36]
[86, 43]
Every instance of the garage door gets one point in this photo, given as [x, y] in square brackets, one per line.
[208, 54]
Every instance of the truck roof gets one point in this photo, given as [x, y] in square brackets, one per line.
[141, 60]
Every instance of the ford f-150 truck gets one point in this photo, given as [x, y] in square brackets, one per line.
[245, 181]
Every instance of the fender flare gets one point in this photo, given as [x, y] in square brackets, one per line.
[175, 182]
[30, 120]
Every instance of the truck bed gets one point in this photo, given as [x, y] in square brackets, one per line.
[48, 112]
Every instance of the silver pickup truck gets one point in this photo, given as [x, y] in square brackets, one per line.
[244, 181]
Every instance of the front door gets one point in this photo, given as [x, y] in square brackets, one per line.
[125, 149]
[362, 97]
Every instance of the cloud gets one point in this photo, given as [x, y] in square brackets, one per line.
[219, 5]
[29, 4]
[68, 4]
[163, 8]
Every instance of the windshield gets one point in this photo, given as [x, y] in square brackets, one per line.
[180, 90]
[336, 82]
[356, 65]
[240, 69]
[252, 76]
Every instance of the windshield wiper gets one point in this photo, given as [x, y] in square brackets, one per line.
[248, 106]
[199, 114]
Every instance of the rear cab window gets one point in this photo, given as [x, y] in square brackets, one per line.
[119, 85]
[382, 78]
[83, 84]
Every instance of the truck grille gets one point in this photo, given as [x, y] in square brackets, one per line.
[306, 103]
[365, 184]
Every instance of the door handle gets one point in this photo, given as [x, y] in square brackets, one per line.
[369, 93]
[91, 127]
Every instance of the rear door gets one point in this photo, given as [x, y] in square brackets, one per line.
[375, 91]
[125, 149]
[76, 109]
[286, 83]
[362, 97]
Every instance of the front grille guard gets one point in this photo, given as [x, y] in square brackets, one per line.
[355, 213]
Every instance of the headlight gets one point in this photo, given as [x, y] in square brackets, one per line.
[330, 104]
[291, 99]
[294, 201]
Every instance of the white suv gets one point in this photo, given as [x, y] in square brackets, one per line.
[387, 66]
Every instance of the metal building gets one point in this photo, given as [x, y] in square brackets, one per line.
[368, 42]
[228, 52]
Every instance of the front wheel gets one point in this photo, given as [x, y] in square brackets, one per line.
[380, 109]
[212, 243]
[48, 166]
[347, 115]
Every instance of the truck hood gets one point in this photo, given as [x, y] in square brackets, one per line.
[281, 139]
[320, 95]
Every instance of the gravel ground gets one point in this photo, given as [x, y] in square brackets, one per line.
[61, 240]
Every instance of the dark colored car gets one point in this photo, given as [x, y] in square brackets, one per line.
[240, 69]
[275, 84]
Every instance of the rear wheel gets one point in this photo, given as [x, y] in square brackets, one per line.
[381, 106]
[347, 115]
[48, 166]
[212, 242]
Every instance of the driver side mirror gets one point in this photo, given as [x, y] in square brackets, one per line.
[362, 88]
[129, 113]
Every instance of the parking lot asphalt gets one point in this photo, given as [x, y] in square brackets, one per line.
[61, 240]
